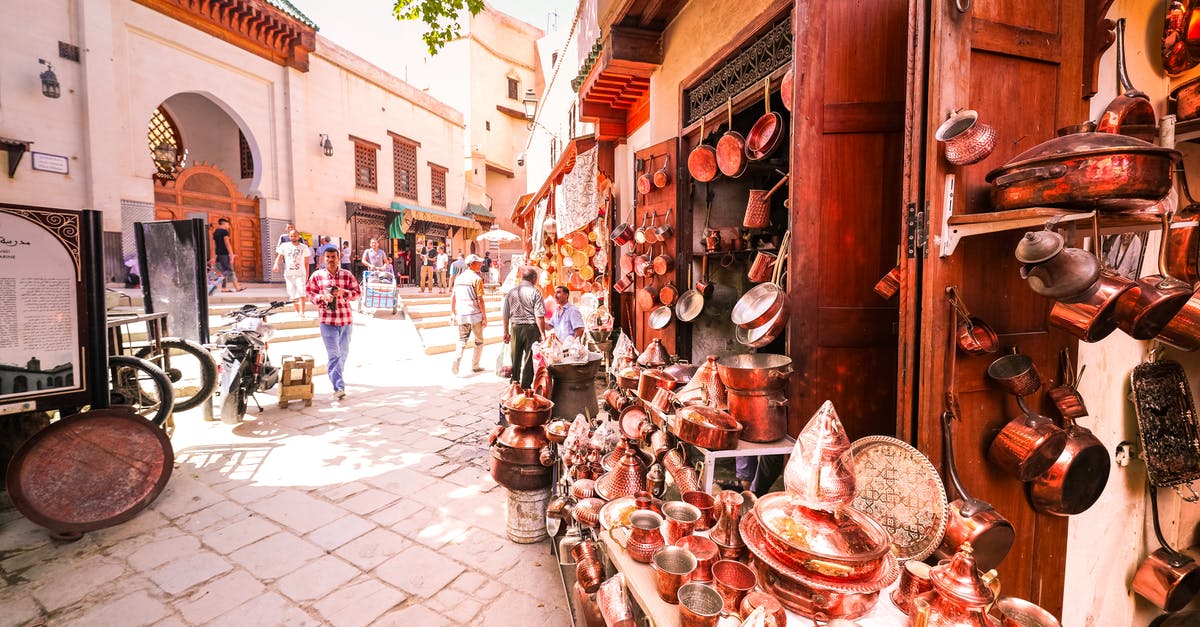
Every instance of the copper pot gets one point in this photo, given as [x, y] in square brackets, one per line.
[967, 139]
[629, 378]
[1166, 578]
[702, 161]
[651, 381]
[706, 427]
[639, 235]
[761, 267]
[645, 183]
[1144, 313]
[622, 234]
[647, 297]
[665, 230]
[663, 264]
[731, 149]
[1028, 445]
[528, 410]
[756, 371]
[1093, 319]
[1077, 478]
[763, 415]
[974, 336]
[1183, 331]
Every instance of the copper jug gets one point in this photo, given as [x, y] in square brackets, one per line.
[960, 597]
[726, 533]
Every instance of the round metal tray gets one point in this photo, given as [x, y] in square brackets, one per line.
[89, 471]
[900, 488]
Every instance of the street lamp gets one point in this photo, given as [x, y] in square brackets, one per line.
[164, 159]
[326, 145]
[530, 103]
[50, 87]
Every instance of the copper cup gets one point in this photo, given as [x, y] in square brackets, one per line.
[706, 553]
[584, 551]
[914, 580]
[589, 574]
[761, 267]
[1016, 612]
[700, 605]
[681, 519]
[1016, 374]
[706, 504]
[1168, 579]
[734, 580]
[673, 566]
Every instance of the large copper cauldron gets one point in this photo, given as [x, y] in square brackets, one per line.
[758, 371]
[515, 464]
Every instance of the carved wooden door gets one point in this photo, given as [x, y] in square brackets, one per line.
[206, 190]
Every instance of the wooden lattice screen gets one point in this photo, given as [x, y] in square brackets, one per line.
[162, 129]
[247, 157]
[437, 184]
[404, 167]
[365, 175]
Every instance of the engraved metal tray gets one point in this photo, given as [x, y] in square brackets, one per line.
[1167, 422]
[901, 489]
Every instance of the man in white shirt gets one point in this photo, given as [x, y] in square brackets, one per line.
[294, 256]
[441, 266]
[469, 312]
[374, 258]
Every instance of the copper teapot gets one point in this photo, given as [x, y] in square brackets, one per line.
[961, 596]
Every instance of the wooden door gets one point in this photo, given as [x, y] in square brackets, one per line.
[1019, 64]
[846, 187]
[656, 205]
[206, 191]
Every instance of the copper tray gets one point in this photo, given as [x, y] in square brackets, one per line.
[616, 512]
[901, 489]
[89, 471]
[753, 536]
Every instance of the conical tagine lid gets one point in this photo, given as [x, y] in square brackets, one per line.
[655, 355]
[820, 473]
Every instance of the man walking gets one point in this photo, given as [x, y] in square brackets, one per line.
[346, 256]
[427, 260]
[223, 255]
[457, 268]
[294, 257]
[524, 323]
[567, 320]
[332, 289]
[469, 312]
[441, 265]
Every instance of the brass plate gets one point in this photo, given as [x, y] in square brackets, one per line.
[900, 488]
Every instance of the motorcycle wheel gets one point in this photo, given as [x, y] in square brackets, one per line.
[193, 371]
[233, 404]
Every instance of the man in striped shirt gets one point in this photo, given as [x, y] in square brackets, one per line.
[524, 315]
[331, 289]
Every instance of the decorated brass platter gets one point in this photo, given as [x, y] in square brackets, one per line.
[754, 537]
[616, 512]
[901, 489]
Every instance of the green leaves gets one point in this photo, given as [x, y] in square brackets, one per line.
[441, 16]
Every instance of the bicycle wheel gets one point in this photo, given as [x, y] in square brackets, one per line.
[189, 366]
[140, 386]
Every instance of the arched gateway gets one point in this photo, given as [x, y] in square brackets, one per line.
[204, 191]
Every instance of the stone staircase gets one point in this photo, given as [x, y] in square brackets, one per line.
[288, 326]
[430, 314]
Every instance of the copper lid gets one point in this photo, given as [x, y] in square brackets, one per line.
[627, 478]
[959, 578]
[820, 473]
[655, 355]
[523, 437]
[846, 534]
[1038, 246]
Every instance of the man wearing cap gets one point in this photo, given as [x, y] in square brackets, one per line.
[468, 311]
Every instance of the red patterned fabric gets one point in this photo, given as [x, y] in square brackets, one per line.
[318, 286]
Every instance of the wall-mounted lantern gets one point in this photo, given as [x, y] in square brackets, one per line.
[50, 86]
[326, 145]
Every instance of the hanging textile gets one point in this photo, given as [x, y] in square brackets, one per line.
[537, 247]
[580, 197]
[396, 227]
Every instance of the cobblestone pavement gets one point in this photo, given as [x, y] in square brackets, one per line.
[375, 510]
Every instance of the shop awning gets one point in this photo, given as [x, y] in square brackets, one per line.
[565, 164]
[436, 216]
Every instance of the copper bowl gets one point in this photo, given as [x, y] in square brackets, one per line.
[583, 489]
[707, 427]
[556, 431]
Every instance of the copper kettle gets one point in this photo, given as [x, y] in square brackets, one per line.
[960, 597]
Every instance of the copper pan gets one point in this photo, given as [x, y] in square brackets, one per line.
[767, 133]
[647, 297]
[731, 150]
[663, 264]
[1183, 331]
[1183, 243]
[970, 519]
[662, 176]
[1143, 314]
[1166, 578]
[786, 87]
[1077, 478]
[1095, 318]
[639, 236]
[1130, 109]
[702, 161]
[645, 184]
[668, 294]
[974, 336]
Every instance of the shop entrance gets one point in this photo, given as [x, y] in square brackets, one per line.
[205, 191]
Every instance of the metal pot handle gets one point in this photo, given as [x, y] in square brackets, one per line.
[1041, 173]
[781, 374]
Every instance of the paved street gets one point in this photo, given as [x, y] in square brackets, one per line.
[376, 510]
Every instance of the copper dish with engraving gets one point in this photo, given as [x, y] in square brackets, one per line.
[901, 489]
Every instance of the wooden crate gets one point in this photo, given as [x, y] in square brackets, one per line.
[296, 380]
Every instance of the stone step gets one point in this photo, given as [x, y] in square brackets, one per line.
[440, 323]
[423, 314]
[443, 348]
[414, 300]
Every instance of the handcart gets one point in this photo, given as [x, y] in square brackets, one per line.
[380, 291]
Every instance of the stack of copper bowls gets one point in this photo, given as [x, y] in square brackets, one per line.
[515, 449]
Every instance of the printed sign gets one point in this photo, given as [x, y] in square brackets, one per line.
[49, 163]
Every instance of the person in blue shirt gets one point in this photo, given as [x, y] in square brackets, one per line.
[567, 320]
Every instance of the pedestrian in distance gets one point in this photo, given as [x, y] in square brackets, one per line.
[441, 265]
[287, 233]
[567, 319]
[223, 256]
[346, 255]
[294, 256]
[428, 258]
[468, 311]
[524, 316]
[486, 270]
[332, 289]
[457, 268]
[375, 258]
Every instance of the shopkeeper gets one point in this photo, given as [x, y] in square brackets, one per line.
[567, 320]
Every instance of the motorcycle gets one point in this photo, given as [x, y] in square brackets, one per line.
[243, 364]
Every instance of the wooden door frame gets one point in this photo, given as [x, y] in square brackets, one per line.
[173, 190]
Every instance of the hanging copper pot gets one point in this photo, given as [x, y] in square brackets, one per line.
[1166, 578]
[1094, 319]
[662, 176]
[787, 87]
[731, 149]
[1144, 313]
[668, 294]
[967, 139]
[639, 236]
[767, 133]
[702, 161]
[1077, 478]
[758, 207]
[645, 184]
[1131, 112]
[663, 264]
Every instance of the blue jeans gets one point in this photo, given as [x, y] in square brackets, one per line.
[337, 345]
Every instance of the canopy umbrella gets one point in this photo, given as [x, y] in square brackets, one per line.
[497, 234]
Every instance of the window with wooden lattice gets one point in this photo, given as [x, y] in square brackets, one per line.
[163, 130]
[404, 167]
[512, 89]
[365, 174]
[247, 157]
[437, 185]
